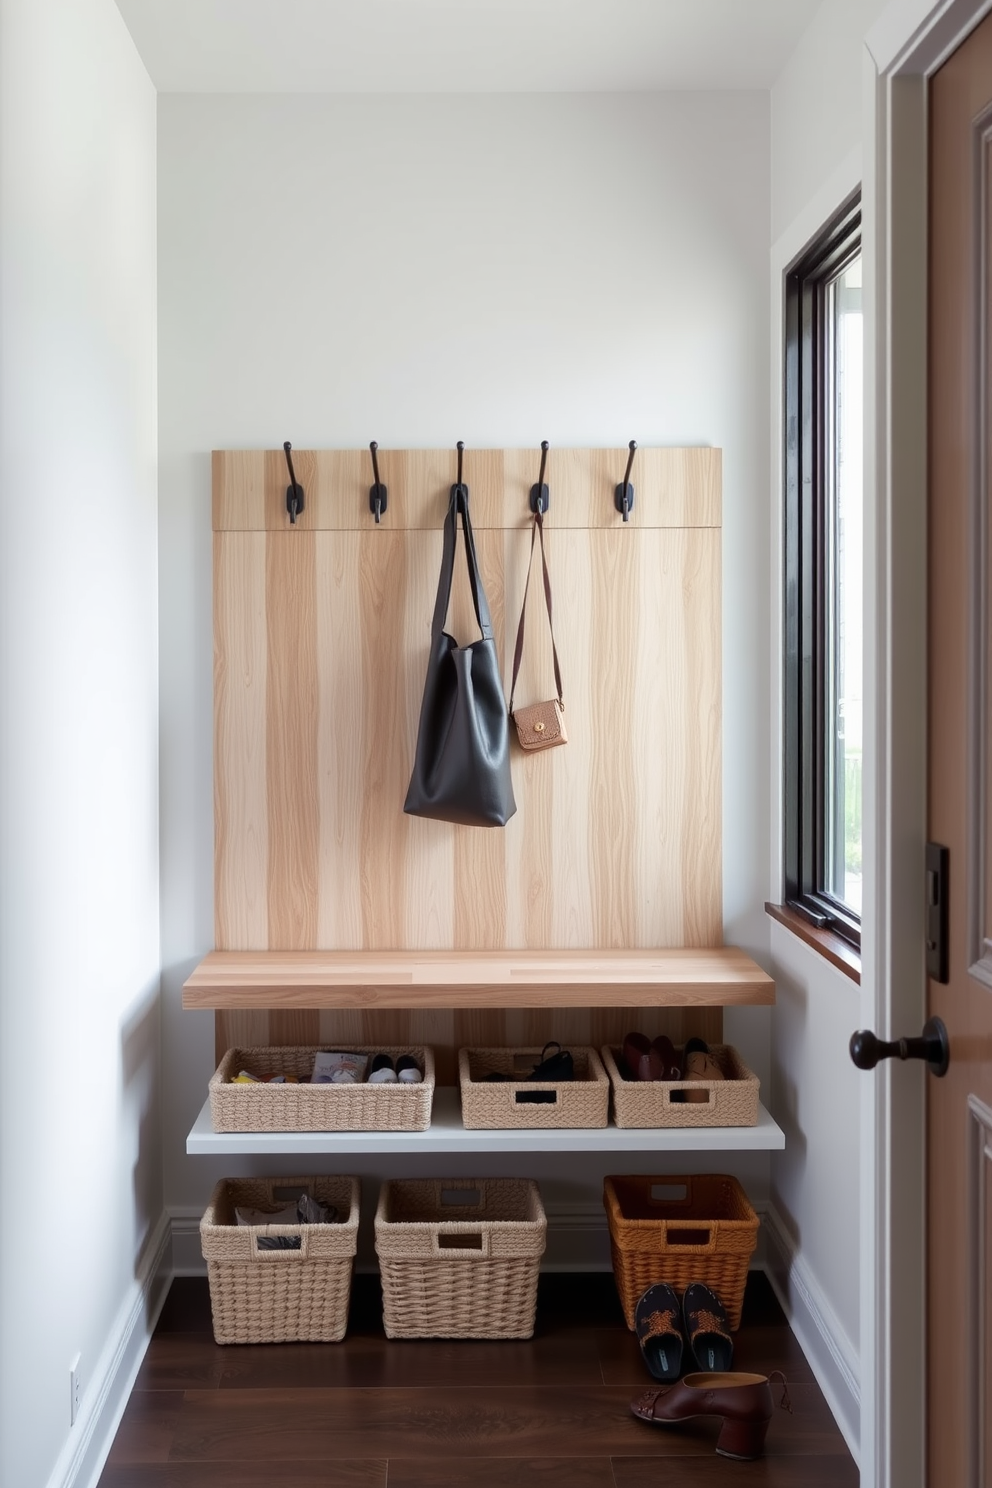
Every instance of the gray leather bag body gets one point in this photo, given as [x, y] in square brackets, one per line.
[461, 769]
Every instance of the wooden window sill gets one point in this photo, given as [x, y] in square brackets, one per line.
[827, 943]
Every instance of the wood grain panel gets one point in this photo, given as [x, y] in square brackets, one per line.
[701, 708]
[342, 737]
[241, 832]
[382, 686]
[616, 840]
[610, 799]
[673, 488]
[291, 740]
[238, 478]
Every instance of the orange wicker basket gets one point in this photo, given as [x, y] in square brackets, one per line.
[682, 1229]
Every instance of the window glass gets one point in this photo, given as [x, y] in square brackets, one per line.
[843, 589]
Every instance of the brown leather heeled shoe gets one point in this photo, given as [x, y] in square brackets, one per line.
[743, 1401]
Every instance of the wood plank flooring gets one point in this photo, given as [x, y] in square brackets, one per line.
[551, 1412]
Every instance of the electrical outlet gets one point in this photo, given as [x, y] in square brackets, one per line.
[74, 1390]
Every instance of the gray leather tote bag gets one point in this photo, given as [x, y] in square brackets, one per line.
[461, 770]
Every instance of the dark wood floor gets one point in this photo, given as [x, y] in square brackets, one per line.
[366, 1413]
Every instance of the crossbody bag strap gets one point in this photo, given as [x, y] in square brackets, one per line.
[518, 650]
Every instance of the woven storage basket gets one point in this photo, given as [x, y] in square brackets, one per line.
[261, 1108]
[584, 1101]
[732, 1101]
[703, 1229]
[460, 1270]
[279, 1296]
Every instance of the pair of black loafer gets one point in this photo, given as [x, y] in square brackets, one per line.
[678, 1336]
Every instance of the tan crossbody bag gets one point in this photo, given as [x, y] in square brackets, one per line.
[541, 725]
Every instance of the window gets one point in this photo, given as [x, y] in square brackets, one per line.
[823, 579]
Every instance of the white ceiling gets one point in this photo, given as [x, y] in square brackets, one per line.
[463, 46]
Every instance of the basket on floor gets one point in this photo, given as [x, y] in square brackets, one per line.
[459, 1258]
[732, 1101]
[682, 1229]
[280, 1296]
[519, 1102]
[306, 1107]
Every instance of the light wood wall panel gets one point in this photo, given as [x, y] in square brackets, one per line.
[321, 639]
[241, 834]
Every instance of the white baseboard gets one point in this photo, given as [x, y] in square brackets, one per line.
[88, 1444]
[831, 1354]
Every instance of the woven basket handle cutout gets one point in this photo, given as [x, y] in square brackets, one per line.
[471, 1196]
[670, 1193]
[681, 1234]
[462, 1244]
[270, 1256]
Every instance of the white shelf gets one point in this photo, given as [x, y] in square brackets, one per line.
[446, 1134]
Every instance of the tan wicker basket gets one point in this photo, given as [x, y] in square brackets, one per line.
[460, 1269]
[279, 1296]
[306, 1107]
[584, 1101]
[732, 1101]
[680, 1230]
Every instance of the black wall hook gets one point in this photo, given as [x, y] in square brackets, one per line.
[295, 498]
[539, 495]
[460, 447]
[623, 496]
[378, 494]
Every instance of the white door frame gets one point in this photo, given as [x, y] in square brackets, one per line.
[908, 42]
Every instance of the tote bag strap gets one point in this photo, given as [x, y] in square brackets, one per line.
[518, 650]
[459, 502]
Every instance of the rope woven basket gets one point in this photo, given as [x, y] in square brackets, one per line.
[279, 1296]
[702, 1229]
[460, 1269]
[732, 1101]
[582, 1102]
[306, 1107]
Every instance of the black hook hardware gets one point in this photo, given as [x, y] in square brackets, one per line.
[295, 499]
[623, 496]
[460, 484]
[378, 493]
[539, 495]
[933, 1046]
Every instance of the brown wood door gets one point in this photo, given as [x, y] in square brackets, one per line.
[959, 1229]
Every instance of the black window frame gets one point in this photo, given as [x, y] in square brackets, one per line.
[805, 596]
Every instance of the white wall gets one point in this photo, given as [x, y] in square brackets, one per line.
[816, 138]
[80, 1130]
[585, 269]
[816, 104]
